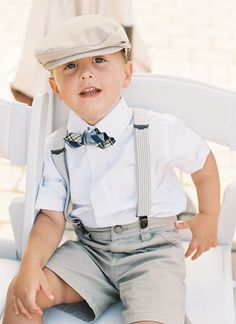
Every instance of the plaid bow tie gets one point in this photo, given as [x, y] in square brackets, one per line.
[89, 136]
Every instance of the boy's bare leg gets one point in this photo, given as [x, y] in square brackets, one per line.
[61, 290]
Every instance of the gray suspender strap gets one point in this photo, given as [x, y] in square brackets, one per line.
[58, 154]
[141, 123]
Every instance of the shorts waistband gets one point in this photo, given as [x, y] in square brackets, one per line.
[165, 223]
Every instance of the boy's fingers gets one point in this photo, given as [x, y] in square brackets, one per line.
[181, 225]
[189, 252]
[31, 302]
[197, 254]
[215, 243]
[191, 248]
[47, 291]
[195, 248]
[22, 309]
[16, 310]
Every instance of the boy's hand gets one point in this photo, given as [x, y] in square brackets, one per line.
[26, 285]
[204, 234]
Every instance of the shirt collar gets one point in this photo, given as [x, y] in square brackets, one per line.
[114, 123]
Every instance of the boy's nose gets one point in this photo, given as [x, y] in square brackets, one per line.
[86, 75]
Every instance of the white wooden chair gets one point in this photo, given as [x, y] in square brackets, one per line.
[208, 110]
[23, 131]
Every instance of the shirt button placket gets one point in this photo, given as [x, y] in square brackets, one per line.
[96, 161]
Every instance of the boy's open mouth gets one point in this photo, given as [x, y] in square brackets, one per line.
[90, 91]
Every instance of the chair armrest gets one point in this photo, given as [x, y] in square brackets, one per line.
[8, 269]
[16, 211]
[227, 221]
[8, 250]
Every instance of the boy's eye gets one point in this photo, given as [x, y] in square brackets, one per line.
[70, 66]
[99, 60]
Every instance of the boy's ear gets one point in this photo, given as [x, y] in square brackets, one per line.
[128, 74]
[54, 87]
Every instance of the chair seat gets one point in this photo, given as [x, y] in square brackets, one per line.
[8, 269]
[209, 297]
[112, 315]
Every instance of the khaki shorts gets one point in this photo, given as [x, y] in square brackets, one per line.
[144, 268]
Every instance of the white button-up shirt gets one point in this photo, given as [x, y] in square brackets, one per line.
[103, 182]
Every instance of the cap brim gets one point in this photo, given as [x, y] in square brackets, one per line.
[53, 64]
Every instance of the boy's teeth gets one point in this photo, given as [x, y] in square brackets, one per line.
[90, 90]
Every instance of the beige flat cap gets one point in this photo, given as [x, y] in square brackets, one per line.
[80, 37]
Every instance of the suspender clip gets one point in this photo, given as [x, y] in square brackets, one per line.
[81, 227]
[143, 221]
[141, 126]
[59, 151]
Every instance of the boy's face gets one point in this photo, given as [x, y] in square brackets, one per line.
[92, 85]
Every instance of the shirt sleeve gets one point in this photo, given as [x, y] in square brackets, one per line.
[187, 149]
[52, 188]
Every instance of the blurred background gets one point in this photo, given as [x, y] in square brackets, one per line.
[184, 38]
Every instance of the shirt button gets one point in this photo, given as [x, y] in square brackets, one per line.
[118, 229]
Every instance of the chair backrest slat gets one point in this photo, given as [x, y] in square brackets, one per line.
[5, 119]
[13, 124]
[23, 134]
[208, 110]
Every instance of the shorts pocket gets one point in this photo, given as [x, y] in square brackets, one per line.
[171, 236]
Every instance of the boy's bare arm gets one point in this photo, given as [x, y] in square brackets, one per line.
[207, 184]
[44, 238]
[204, 224]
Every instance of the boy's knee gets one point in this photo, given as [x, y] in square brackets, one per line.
[41, 299]
[61, 291]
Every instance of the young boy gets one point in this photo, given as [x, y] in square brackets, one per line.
[117, 256]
